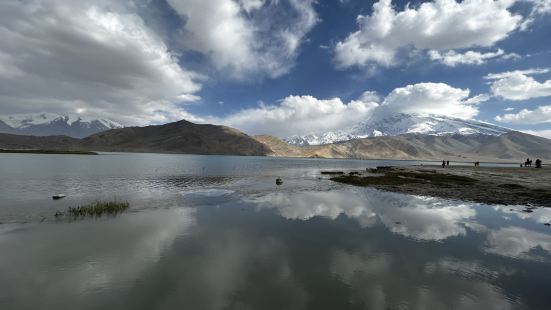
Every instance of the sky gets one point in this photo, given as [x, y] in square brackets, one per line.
[280, 67]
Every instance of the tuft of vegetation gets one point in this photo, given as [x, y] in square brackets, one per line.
[99, 208]
[48, 152]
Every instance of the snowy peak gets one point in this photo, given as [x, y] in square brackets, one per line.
[402, 124]
[46, 124]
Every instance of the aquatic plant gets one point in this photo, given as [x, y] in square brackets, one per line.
[99, 208]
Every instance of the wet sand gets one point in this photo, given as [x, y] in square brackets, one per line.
[491, 185]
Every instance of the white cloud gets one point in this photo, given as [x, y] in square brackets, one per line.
[300, 115]
[509, 109]
[432, 98]
[542, 133]
[519, 85]
[541, 114]
[502, 75]
[539, 8]
[93, 56]
[247, 38]
[251, 5]
[452, 58]
[438, 25]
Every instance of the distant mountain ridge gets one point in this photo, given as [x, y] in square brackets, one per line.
[512, 146]
[49, 124]
[178, 137]
[401, 124]
[189, 138]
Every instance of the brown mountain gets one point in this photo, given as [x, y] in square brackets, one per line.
[179, 137]
[512, 146]
[189, 138]
[11, 141]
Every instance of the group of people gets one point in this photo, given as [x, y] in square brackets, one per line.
[528, 163]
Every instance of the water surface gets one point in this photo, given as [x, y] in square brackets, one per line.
[213, 232]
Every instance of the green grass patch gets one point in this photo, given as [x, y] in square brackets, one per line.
[99, 208]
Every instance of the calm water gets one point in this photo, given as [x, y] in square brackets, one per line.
[211, 232]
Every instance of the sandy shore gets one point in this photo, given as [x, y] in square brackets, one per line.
[491, 185]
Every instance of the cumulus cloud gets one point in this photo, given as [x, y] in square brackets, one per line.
[93, 56]
[432, 98]
[300, 115]
[439, 25]
[519, 85]
[542, 133]
[541, 114]
[452, 58]
[247, 38]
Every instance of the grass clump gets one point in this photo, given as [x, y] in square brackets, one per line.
[99, 208]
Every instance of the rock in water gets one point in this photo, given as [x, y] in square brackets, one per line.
[279, 181]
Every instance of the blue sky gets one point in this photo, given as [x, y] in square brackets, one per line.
[278, 67]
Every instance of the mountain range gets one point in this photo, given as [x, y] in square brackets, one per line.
[402, 137]
[178, 137]
[49, 124]
[400, 124]
[512, 146]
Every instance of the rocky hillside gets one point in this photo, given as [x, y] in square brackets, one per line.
[179, 137]
[509, 147]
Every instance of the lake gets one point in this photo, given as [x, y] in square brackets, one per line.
[216, 232]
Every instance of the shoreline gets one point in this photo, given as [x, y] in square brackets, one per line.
[46, 152]
[489, 185]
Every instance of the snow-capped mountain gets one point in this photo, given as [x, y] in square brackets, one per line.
[401, 124]
[48, 124]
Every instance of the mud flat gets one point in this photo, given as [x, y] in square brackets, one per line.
[490, 185]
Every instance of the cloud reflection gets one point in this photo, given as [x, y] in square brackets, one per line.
[381, 281]
[518, 242]
[423, 218]
[40, 263]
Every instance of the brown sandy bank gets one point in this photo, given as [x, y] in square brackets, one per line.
[491, 185]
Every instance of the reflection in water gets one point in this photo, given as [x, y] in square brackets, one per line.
[63, 264]
[381, 281]
[217, 233]
[417, 217]
[518, 242]
[232, 271]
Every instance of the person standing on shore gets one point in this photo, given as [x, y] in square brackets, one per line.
[443, 164]
[448, 163]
